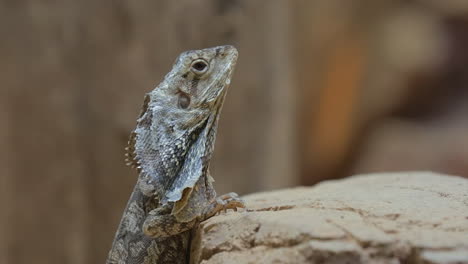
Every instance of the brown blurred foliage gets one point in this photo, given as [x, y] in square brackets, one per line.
[323, 89]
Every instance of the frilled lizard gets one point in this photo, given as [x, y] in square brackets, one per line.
[171, 149]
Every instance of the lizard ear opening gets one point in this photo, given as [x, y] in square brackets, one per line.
[184, 100]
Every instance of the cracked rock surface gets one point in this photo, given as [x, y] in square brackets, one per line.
[416, 217]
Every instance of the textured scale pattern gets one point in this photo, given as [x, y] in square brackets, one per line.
[171, 149]
[130, 152]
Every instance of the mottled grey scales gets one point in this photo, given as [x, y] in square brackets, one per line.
[171, 149]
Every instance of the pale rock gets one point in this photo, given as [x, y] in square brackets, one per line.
[407, 217]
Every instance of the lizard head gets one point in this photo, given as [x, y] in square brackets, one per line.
[174, 138]
[196, 85]
[201, 77]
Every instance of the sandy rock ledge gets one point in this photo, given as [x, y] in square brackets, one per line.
[416, 217]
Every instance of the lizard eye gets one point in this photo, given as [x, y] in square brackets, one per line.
[184, 101]
[199, 66]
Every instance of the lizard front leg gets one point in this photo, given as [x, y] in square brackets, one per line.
[161, 223]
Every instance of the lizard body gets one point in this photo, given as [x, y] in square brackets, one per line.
[171, 148]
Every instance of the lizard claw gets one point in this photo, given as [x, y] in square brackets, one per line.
[225, 202]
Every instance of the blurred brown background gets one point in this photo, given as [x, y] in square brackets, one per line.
[323, 89]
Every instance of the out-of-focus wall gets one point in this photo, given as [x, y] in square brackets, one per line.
[382, 86]
[73, 76]
[323, 89]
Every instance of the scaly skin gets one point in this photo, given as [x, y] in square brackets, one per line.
[171, 149]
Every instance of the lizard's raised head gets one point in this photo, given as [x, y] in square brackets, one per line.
[201, 76]
[174, 138]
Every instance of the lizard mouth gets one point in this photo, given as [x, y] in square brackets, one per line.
[216, 92]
